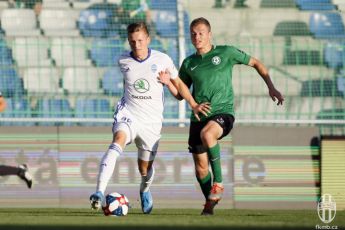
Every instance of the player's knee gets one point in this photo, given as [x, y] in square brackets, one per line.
[206, 137]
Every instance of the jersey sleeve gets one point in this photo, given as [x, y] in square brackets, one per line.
[238, 56]
[172, 69]
[184, 75]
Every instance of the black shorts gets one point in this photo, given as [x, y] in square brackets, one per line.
[226, 122]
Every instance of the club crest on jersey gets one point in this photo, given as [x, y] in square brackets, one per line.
[154, 68]
[141, 85]
[216, 60]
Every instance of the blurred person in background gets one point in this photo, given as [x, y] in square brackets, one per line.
[22, 170]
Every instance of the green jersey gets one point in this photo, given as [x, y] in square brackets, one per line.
[210, 75]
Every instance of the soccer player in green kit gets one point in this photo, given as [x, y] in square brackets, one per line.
[209, 71]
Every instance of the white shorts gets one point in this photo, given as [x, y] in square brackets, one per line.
[146, 136]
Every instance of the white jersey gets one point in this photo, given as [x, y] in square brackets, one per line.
[143, 94]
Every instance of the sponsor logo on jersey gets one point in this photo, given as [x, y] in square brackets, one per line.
[141, 85]
[216, 60]
[141, 97]
[154, 68]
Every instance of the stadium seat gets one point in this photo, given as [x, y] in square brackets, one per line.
[93, 108]
[334, 54]
[163, 5]
[112, 81]
[277, 4]
[41, 81]
[31, 51]
[320, 88]
[315, 5]
[97, 21]
[82, 80]
[17, 108]
[10, 83]
[19, 22]
[5, 54]
[106, 52]
[57, 22]
[69, 52]
[54, 108]
[166, 23]
[291, 28]
[84, 4]
[55, 4]
[327, 25]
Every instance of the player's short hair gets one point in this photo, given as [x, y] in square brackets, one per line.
[200, 20]
[137, 26]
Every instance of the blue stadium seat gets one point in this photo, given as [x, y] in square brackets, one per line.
[93, 108]
[6, 58]
[105, 52]
[97, 21]
[54, 108]
[17, 108]
[327, 25]
[315, 5]
[334, 54]
[166, 23]
[10, 83]
[112, 81]
[163, 5]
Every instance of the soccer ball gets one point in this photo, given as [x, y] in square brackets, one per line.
[116, 204]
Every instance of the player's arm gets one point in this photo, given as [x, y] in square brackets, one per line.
[180, 91]
[263, 71]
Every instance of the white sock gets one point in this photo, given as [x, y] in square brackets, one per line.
[107, 166]
[146, 181]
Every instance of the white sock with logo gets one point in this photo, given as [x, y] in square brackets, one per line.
[147, 180]
[107, 166]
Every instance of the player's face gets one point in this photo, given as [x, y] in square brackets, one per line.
[139, 41]
[201, 36]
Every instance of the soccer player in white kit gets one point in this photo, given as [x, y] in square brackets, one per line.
[139, 114]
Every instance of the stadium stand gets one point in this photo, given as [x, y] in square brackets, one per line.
[70, 49]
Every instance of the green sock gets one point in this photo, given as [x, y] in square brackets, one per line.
[205, 184]
[214, 156]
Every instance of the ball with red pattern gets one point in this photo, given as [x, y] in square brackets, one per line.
[116, 204]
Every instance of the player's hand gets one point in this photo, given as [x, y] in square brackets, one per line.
[203, 108]
[164, 77]
[276, 95]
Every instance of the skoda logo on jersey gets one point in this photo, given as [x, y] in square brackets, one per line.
[216, 60]
[153, 68]
[141, 85]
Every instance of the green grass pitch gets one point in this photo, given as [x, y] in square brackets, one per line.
[165, 219]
